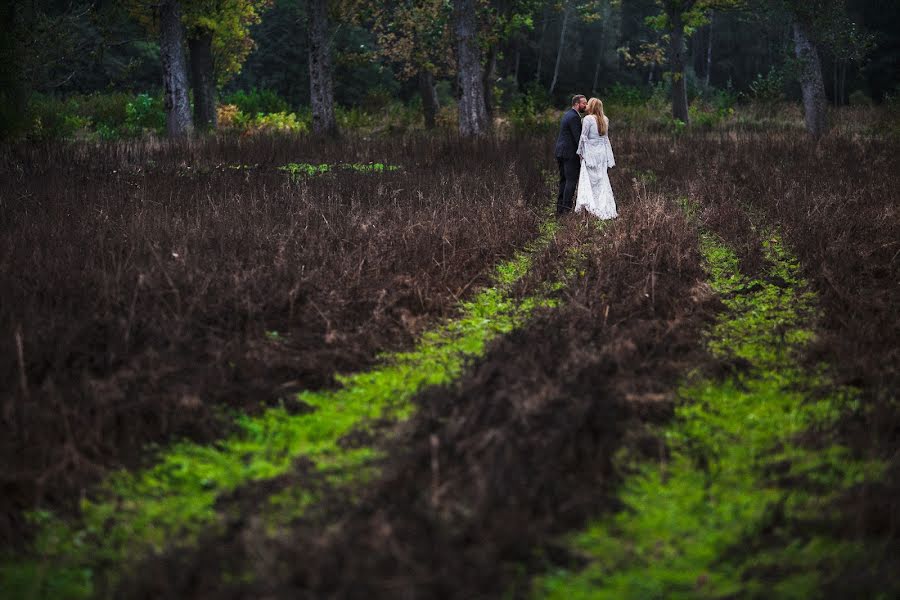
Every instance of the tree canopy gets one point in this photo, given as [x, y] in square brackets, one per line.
[407, 49]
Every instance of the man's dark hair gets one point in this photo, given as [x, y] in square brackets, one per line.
[576, 98]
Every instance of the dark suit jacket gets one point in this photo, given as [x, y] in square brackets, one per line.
[569, 134]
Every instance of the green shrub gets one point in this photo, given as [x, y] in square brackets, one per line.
[144, 113]
[530, 112]
[47, 118]
[768, 88]
[506, 91]
[706, 116]
[282, 122]
[661, 98]
[254, 102]
[376, 99]
[108, 115]
[105, 132]
[354, 118]
[444, 90]
[723, 99]
[859, 98]
[626, 95]
[102, 108]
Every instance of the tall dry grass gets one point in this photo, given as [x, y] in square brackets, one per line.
[492, 467]
[146, 288]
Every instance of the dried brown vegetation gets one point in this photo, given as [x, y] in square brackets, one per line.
[144, 288]
[516, 451]
[520, 449]
[474, 487]
[838, 206]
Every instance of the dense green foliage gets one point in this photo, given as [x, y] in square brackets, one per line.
[732, 48]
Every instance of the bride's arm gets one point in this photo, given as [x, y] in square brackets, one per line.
[611, 159]
[585, 128]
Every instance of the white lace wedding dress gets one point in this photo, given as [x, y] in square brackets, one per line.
[595, 195]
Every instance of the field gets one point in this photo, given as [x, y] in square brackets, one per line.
[280, 367]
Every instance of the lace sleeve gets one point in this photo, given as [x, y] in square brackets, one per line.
[585, 125]
[585, 133]
[610, 159]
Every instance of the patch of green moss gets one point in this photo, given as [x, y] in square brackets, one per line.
[370, 167]
[305, 169]
[311, 170]
[732, 452]
[134, 514]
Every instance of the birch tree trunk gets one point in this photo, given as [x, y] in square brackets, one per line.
[321, 83]
[473, 118]
[203, 79]
[676, 61]
[559, 51]
[175, 78]
[811, 83]
[430, 104]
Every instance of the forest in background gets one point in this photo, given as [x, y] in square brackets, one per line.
[111, 69]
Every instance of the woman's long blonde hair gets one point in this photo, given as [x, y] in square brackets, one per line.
[595, 107]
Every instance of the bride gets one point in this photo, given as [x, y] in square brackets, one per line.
[595, 195]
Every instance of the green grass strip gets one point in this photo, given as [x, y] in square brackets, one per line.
[692, 525]
[135, 514]
[311, 170]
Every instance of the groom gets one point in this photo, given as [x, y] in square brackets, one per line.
[566, 146]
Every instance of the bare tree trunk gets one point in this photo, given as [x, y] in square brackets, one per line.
[834, 84]
[559, 51]
[321, 83]
[709, 42]
[175, 78]
[601, 50]
[473, 119]
[516, 64]
[203, 79]
[490, 72]
[676, 61]
[430, 104]
[537, 73]
[843, 86]
[14, 90]
[811, 83]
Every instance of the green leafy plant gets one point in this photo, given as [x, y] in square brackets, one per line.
[144, 113]
[768, 88]
[626, 95]
[254, 101]
[282, 122]
[307, 169]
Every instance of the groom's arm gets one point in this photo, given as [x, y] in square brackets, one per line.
[575, 130]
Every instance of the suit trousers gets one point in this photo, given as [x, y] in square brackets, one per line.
[569, 169]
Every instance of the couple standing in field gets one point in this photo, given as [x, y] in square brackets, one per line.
[584, 154]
